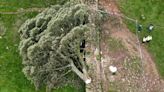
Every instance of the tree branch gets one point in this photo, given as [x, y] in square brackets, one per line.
[84, 76]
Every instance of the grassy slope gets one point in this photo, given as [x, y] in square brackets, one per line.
[153, 10]
[11, 77]
[13, 5]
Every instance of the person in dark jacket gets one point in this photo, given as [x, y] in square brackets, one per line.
[139, 28]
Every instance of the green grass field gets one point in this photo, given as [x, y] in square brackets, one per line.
[13, 5]
[153, 10]
[11, 77]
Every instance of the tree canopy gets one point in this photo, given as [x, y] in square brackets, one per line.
[50, 45]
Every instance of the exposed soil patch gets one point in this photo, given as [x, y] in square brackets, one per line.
[136, 71]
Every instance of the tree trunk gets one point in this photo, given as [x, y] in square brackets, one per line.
[84, 76]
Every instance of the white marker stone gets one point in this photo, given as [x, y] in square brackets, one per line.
[113, 69]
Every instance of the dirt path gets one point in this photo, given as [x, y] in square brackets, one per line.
[136, 69]
[130, 41]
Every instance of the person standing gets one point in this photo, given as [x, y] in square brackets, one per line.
[150, 28]
[139, 27]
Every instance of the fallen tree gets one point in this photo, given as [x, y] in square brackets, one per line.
[50, 45]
